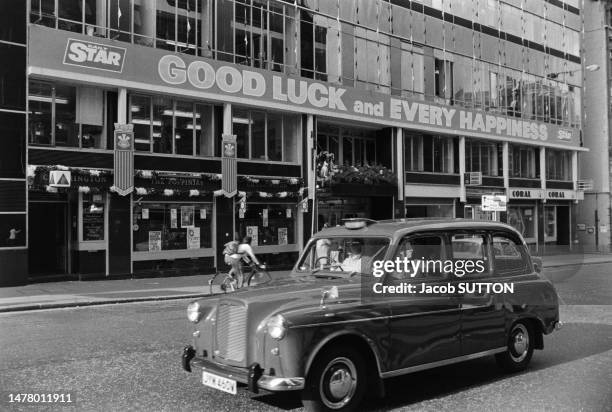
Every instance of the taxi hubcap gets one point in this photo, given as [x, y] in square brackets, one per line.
[519, 343]
[338, 383]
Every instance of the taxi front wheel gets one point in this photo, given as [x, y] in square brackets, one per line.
[336, 381]
[520, 348]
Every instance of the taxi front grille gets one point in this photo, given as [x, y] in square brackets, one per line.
[231, 332]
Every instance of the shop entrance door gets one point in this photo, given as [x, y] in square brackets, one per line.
[47, 239]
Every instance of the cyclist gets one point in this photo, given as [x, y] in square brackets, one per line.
[234, 253]
[247, 255]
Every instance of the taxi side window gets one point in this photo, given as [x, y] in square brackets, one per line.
[469, 254]
[509, 256]
[423, 255]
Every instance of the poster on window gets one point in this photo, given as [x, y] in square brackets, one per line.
[265, 217]
[203, 214]
[288, 213]
[193, 238]
[187, 216]
[173, 220]
[252, 231]
[145, 214]
[282, 236]
[155, 241]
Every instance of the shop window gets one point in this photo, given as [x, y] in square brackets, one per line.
[66, 116]
[413, 153]
[509, 256]
[550, 223]
[558, 165]
[523, 219]
[268, 224]
[266, 136]
[475, 212]
[434, 153]
[172, 226]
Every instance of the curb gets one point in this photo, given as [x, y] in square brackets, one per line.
[44, 306]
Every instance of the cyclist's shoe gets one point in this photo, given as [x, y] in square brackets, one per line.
[223, 287]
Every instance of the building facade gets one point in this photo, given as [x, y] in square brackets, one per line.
[339, 109]
[594, 225]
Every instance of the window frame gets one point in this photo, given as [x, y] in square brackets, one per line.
[522, 248]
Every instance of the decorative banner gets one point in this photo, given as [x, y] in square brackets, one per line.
[265, 217]
[124, 159]
[252, 231]
[229, 173]
[155, 242]
[282, 236]
[193, 238]
[187, 216]
[173, 219]
[60, 178]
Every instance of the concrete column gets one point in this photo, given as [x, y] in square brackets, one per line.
[543, 170]
[148, 15]
[101, 17]
[122, 106]
[206, 29]
[506, 164]
[309, 156]
[399, 160]
[462, 196]
[575, 169]
[227, 118]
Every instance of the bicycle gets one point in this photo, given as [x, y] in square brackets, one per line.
[254, 275]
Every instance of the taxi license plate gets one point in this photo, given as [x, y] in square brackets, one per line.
[219, 382]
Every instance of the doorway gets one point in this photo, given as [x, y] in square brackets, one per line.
[47, 239]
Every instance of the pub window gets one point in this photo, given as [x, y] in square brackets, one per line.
[63, 115]
[269, 224]
[172, 226]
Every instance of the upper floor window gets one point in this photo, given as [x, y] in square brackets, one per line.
[163, 125]
[558, 165]
[265, 135]
[483, 157]
[426, 153]
[524, 161]
[443, 77]
[62, 115]
[349, 146]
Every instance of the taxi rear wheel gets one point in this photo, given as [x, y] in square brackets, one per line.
[521, 341]
[336, 381]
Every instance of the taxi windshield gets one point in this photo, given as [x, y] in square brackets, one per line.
[342, 256]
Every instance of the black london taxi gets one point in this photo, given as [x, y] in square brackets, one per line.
[324, 332]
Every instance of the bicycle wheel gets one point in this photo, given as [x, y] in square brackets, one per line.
[220, 283]
[257, 277]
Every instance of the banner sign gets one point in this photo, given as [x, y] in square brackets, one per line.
[124, 159]
[229, 172]
[146, 69]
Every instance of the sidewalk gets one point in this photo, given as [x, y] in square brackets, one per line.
[87, 293]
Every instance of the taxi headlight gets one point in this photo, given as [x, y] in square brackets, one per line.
[193, 312]
[276, 327]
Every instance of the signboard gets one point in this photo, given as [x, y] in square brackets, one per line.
[208, 79]
[193, 238]
[494, 203]
[155, 241]
[525, 193]
[124, 159]
[59, 178]
[252, 231]
[187, 216]
[229, 172]
[282, 236]
[559, 194]
[93, 221]
[94, 55]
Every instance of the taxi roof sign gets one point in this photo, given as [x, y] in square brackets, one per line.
[357, 222]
